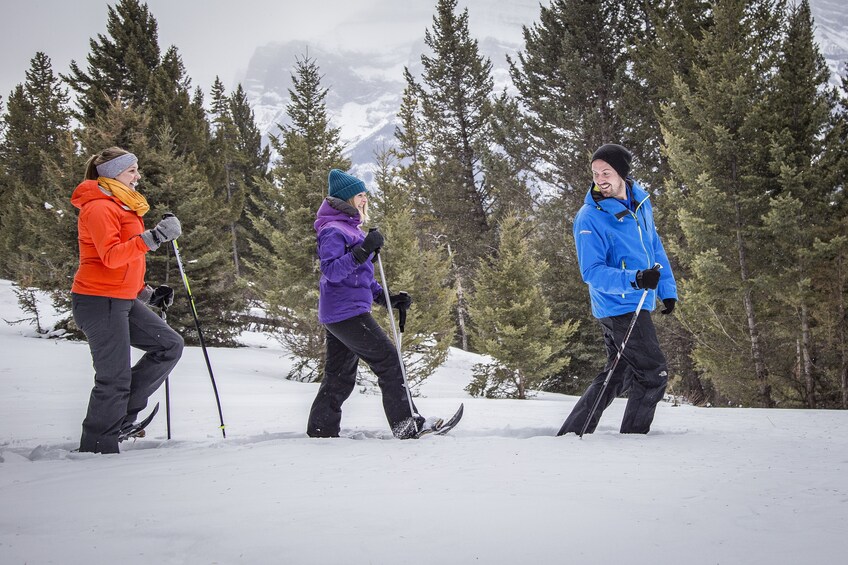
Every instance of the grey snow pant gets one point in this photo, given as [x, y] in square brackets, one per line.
[120, 392]
[349, 341]
[642, 370]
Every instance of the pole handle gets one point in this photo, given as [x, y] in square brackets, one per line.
[402, 314]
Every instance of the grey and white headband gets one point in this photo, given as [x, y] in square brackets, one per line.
[114, 167]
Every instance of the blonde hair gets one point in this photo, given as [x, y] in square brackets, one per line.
[106, 155]
[363, 215]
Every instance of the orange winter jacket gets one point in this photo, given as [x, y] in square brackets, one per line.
[111, 252]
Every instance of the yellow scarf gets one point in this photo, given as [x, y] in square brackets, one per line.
[132, 199]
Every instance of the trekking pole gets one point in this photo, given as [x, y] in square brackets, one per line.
[396, 335]
[199, 333]
[164, 315]
[617, 359]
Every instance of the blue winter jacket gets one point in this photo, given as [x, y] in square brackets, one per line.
[346, 289]
[613, 243]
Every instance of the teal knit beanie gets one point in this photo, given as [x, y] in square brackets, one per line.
[343, 185]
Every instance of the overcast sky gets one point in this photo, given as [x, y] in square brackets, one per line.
[214, 37]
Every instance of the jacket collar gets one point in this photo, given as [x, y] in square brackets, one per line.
[612, 205]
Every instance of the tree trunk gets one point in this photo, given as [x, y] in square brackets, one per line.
[232, 224]
[840, 330]
[460, 303]
[519, 384]
[806, 359]
[235, 249]
[760, 369]
[460, 312]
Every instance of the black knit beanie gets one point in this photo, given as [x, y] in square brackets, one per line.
[617, 156]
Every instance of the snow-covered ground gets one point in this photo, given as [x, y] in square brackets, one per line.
[706, 486]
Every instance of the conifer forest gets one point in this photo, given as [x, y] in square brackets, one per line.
[737, 131]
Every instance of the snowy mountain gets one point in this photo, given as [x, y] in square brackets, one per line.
[831, 18]
[366, 81]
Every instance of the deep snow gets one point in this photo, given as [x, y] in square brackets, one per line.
[706, 486]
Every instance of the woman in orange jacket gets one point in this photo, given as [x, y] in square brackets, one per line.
[110, 299]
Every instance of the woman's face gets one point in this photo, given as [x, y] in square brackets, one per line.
[130, 176]
[359, 201]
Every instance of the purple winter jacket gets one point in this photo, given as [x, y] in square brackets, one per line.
[346, 289]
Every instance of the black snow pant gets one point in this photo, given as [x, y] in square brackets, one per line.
[349, 341]
[120, 392]
[642, 370]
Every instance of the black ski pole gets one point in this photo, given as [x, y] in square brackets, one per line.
[164, 310]
[199, 334]
[617, 359]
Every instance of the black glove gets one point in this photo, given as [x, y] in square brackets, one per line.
[401, 300]
[669, 304]
[166, 230]
[162, 297]
[373, 242]
[648, 279]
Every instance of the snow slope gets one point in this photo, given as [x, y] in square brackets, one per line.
[707, 486]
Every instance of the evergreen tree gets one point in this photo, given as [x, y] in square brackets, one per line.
[570, 77]
[566, 294]
[171, 102]
[444, 136]
[218, 294]
[417, 180]
[801, 104]
[223, 153]
[126, 67]
[238, 163]
[285, 271]
[38, 118]
[829, 274]
[454, 100]
[120, 65]
[513, 320]
[714, 132]
[38, 241]
[835, 251]
[412, 151]
[413, 265]
[664, 48]
[506, 161]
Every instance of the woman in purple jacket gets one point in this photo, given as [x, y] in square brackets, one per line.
[347, 290]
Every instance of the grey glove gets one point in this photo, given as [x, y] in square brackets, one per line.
[166, 230]
[145, 294]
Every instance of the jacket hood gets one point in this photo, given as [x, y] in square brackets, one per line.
[89, 190]
[336, 210]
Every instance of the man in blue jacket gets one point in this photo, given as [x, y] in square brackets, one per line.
[621, 256]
